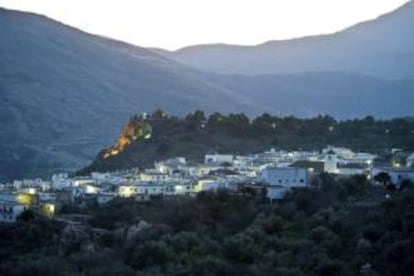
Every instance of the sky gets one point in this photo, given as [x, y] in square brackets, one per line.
[172, 24]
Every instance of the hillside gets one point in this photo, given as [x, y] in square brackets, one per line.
[382, 47]
[339, 94]
[194, 136]
[65, 93]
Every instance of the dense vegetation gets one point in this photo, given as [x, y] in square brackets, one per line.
[196, 134]
[340, 226]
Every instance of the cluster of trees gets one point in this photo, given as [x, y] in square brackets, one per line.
[320, 130]
[266, 122]
[339, 227]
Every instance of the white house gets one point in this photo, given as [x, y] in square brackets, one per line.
[151, 189]
[80, 182]
[218, 158]
[182, 189]
[352, 168]
[331, 162]
[45, 186]
[170, 165]
[205, 183]
[154, 176]
[199, 170]
[343, 153]
[397, 175]
[130, 190]
[212, 186]
[46, 197]
[410, 160]
[29, 190]
[17, 184]
[364, 158]
[127, 190]
[91, 189]
[285, 177]
[60, 181]
[101, 177]
[10, 211]
[11, 206]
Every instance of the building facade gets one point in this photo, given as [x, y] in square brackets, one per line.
[285, 177]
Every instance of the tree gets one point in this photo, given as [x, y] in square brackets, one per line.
[27, 215]
[384, 178]
[197, 116]
[263, 122]
[406, 184]
[194, 120]
[356, 185]
[214, 119]
[238, 123]
[158, 114]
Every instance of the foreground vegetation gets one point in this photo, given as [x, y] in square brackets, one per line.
[338, 227]
[197, 134]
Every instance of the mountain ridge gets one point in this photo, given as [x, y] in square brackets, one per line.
[372, 47]
[409, 4]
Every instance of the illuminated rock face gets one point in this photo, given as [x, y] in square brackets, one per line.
[136, 129]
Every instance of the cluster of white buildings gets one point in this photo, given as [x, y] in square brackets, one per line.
[11, 206]
[275, 172]
[22, 195]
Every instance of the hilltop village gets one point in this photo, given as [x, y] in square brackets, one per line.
[272, 173]
[158, 155]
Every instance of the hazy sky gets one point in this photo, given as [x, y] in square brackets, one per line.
[176, 23]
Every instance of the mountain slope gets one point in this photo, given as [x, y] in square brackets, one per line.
[64, 94]
[383, 47]
[172, 137]
[339, 94]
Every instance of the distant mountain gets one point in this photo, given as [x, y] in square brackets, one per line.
[64, 94]
[339, 94]
[383, 47]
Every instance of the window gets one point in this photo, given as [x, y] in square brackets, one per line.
[301, 180]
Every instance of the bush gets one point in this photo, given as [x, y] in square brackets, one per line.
[26, 215]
